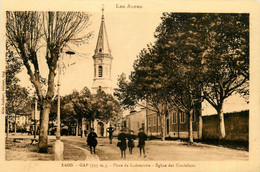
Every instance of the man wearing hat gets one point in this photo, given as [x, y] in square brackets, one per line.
[110, 131]
[91, 140]
[141, 143]
[122, 142]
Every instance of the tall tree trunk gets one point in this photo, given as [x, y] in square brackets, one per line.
[162, 127]
[222, 131]
[190, 127]
[82, 127]
[200, 123]
[44, 125]
[77, 128]
[14, 123]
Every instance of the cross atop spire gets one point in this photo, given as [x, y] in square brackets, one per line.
[102, 11]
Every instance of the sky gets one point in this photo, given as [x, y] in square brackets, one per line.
[128, 33]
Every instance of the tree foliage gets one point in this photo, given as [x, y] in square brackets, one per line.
[84, 105]
[17, 97]
[195, 57]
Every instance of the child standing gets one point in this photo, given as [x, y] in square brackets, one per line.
[142, 138]
[131, 138]
[91, 140]
[122, 142]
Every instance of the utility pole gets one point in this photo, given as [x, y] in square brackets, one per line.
[58, 146]
[58, 108]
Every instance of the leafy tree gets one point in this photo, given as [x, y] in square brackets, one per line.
[17, 97]
[147, 83]
[210, 51]
[28, 32]
[226, 63]
[180, 45]
[195, 56]
[13, 67]
[104, 106]
[83, 105]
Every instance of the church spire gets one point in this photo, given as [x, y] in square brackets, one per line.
[102, 46]
[102, 61]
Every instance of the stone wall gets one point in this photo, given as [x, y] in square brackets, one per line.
[236, 125]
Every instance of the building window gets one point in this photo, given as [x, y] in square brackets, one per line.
[182, 118]
[124, 124]
[174, 118]
[193, 116]
[95, 72]
[149, 121]
[100, 71]
[100, 50]
[154, 121]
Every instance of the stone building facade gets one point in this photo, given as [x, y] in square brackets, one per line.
[176, 124]
[135, 120]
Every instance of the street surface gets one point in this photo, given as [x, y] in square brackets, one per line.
[75, 148]
[161, 151]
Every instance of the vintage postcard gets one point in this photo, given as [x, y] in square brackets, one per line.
[130, 85]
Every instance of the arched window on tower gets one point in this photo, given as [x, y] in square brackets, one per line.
[100, 71]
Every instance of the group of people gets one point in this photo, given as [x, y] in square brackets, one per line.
[122, 140]
[122, 137]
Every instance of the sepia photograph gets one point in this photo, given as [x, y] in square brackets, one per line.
[100, 85]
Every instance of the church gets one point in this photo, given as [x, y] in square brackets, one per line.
[102, 75]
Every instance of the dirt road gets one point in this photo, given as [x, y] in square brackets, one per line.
[162, 151]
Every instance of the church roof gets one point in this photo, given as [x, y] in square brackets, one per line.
[102, 46]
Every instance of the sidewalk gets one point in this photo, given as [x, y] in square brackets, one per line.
[196, 144]
[25, 135]
[25, 151]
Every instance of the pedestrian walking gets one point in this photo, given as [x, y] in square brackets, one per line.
[141, 143]
[122, 143]
[131, 137]
[91, 140]
[110, 131]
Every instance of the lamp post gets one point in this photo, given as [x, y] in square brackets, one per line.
[58, 147]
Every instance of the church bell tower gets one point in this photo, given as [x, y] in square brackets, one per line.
[102, 61]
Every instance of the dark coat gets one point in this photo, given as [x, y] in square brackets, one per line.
[142, 138]
[122, 139]
[91, 140]
[131, 139]
[110, 131]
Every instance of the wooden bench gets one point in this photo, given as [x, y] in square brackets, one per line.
[18, 140]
